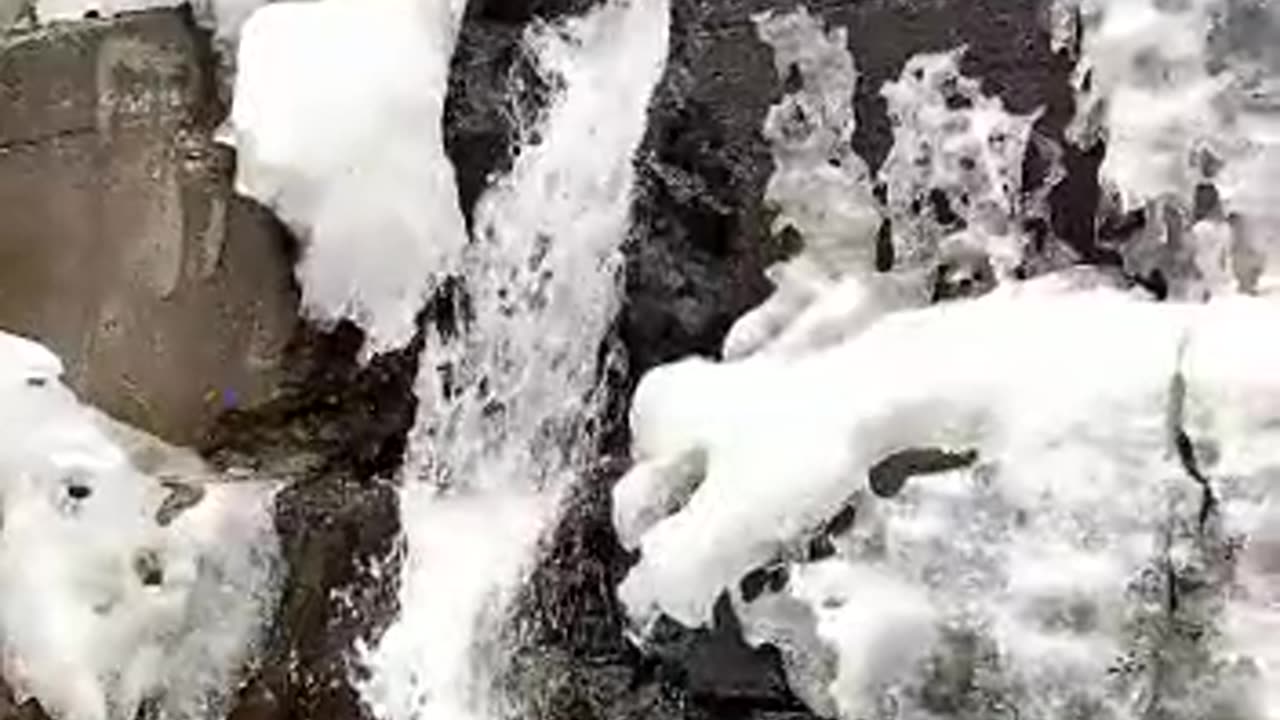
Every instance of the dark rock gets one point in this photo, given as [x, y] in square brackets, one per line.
[337, 434]
[888, 476]
[478, 128]
[11, 709]
[518, 12]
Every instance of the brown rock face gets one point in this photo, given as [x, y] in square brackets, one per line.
[121, 244]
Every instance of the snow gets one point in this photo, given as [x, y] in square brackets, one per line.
[507, 400]
[109, 597]
[337, 126]
[226, 17]
[1036, 551]
[953, 146]
[1185, 97]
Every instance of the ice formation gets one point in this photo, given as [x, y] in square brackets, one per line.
[337, 126]
[1052, 561]
[508, 387]
[820, 188]
[953, 177]
[1184, 95]
[119, 589]
[952, 204]
[1052, 501]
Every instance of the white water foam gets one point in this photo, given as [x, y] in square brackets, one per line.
[507, 401]
[1036, 583]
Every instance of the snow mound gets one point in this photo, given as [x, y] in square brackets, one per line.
[119, 589]
[953, 176]
[1090, 536]
[337, 125]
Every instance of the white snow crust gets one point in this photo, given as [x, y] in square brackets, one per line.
[119, 588]
[1185, 96]
[507, 399]
[337, 126]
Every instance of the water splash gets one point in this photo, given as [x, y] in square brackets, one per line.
[508, 389]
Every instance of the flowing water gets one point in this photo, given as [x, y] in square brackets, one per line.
[935, 596]
[508, 385]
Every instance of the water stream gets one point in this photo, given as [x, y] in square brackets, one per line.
[508, 385]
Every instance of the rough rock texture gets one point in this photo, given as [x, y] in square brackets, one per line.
[337, 433]
[121, 244]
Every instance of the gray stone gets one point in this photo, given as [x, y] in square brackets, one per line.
[121, 244]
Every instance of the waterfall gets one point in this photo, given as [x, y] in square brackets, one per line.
[508, 381]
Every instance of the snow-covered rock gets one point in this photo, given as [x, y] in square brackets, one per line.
[1105, 551]
[1185, 97]
[336, 122]
[119, 588]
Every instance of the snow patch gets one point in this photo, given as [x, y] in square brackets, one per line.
[224, 17]
[1038, 579]
[120, 589]
[337, 126]
[63, 10]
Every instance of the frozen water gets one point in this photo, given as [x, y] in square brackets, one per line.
[1041, 573]
[337, 127]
